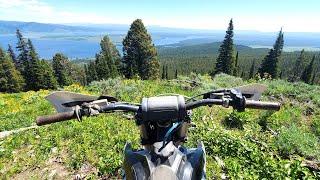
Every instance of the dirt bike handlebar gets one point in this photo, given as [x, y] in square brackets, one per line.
[43, 120]
[262, 105]
[120, 106]
[203, 102]
[248, 104]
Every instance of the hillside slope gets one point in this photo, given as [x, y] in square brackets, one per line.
[251, 145]
[204, 49]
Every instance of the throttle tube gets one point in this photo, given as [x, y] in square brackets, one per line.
[119, 106]
[203, 102]
[262, 105]
[43, 120]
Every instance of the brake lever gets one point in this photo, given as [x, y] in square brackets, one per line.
[87, 109]
[229, 97]
[215, 94]
[77, 111]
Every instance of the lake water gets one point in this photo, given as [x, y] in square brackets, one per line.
[87, 48]
[75, 48]
[48, 47]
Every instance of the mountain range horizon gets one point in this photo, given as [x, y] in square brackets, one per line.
[124, 25]
[81, 40]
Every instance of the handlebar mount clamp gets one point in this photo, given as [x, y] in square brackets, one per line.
[238, 101]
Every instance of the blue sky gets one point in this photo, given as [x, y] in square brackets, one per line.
[261, 15]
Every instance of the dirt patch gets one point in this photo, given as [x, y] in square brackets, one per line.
[54, 169]
[85, 171]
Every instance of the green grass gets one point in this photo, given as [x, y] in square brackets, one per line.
[252, 145]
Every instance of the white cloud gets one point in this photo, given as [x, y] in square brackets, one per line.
[12, 3]
[38, 11]
[27, 4]
[35, 10]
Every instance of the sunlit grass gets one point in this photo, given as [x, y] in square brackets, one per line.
[245, 142]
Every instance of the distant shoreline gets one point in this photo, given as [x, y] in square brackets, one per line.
[290, 48]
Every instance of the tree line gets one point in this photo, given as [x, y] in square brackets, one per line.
[227, 61]
[26, 71]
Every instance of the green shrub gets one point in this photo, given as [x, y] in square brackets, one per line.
[235, 120]
[105, 86]
[316, 126]
[295, 140]
[227, 81]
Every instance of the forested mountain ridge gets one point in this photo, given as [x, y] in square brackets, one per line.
[204, 49]
[189, 57]
[9, 27]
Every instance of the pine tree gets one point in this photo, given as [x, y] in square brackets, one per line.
[166, 75]
[38, 74]
[225, 60]
[298, 67]
[22, 48]
[32, 70]
[60, 65]
[176, 74]
[139, 53]
[163, 75]
[118, 62]
[91, 72]
[153, 69]
[313, 81]
[10, 78]
[278, 46]
[236, 65]
[102, 67]
[107, 60]
[242, 75]
[48, 80]
[270, 62]
[251, 73]
[280, 75]
[12, 54]
[307, 73]
[77, 73]
[116, 59]
[86, 72]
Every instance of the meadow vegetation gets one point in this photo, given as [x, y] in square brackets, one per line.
[253, 144]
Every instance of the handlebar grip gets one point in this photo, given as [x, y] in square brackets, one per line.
[43, 120]
[263, 105]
